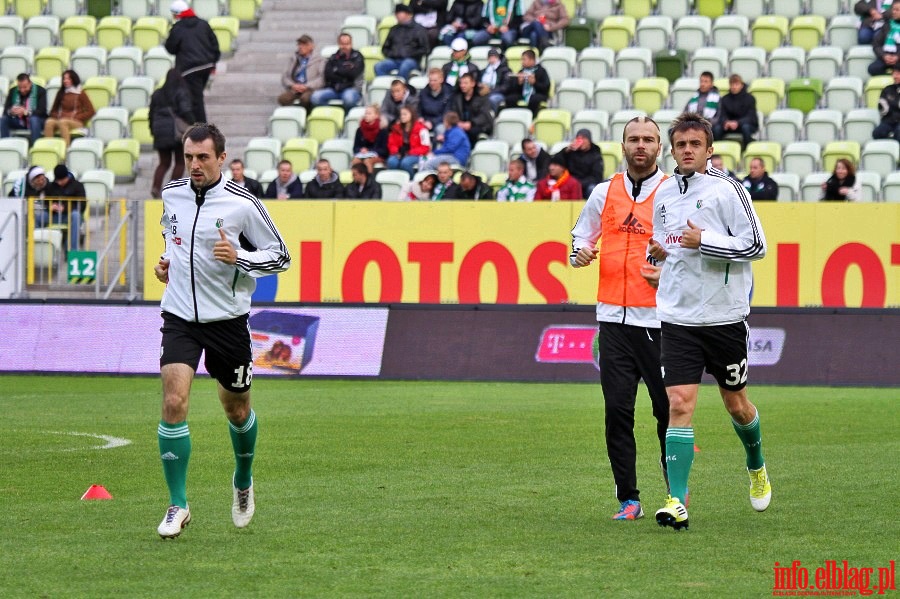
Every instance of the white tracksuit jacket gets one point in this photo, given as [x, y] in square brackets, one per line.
[202, 289]
[711, 285]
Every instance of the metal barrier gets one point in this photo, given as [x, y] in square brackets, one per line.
[75, 245]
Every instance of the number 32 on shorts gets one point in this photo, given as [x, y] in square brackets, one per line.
[737, 373]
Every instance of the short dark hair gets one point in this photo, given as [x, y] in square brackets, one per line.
[641, 119]
[691, 120]
[452, 118]
[23, 77]
[304, 39]
[236, 161]
[202, 131]
[530, 54]
[708, 74]
[360, 168]
[520, 162]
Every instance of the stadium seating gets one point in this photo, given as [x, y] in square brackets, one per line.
[654, 32]
[247, 11]
[78, 31]
[124, 62]
[748, 61]
[801, 157]
[121, 157]
[784, 125]
[769, 31]
[101, 90]
[489, 156]
[134, 92]
[512, 125]
[64, 8]
[859, 123]
[638, 9]
[617, 31]
[362, 28]
[13, 153]
[612, 94]
[807, 31]
[890, 189]
[714, 60]
[730, 31]
[338, 152]
[824, 62]
[15, 60]
[109, 123]
[788, 186]
[287, 122]
[594, 120]
[351, 121]
[787, 62]
[392, 182]
[262, 153]
[858, 59]
[89, 61]
[811, 187]
[649, 94]
[769, 93]
[50, 62]
[157, 62]
[674, 8]
[113, 31]
[843, 93]
[612, 157]
[98, 186]
[596, 63]
[834, 150]
[139, 124]
[619, 119]
[874, 87]
[749, 8]
[552, 125]
[41, 31]
[84, 154]
[769, 151]
[880, 156]
[574, 94]
[11, 29]
[226, 28]
[301, 152]
[823, 125]
[843, 30]
[692, 32]
[870, 184]
[711, 8]
[135, 9]
[559, 62]
[325, 122]
[47, 152]
[149, 31]
[804, 94]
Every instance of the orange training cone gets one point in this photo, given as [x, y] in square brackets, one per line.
[96, 492]
[696, 449]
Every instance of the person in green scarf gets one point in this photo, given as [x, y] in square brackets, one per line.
[25, 108]
[502, 20]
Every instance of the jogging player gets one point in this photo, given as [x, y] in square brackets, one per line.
[219, 239]
[620, 211]
[705, 234]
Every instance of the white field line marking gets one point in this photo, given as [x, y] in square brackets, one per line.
[110, 442]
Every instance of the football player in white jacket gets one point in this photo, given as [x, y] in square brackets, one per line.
[705, 234]
[219, 239]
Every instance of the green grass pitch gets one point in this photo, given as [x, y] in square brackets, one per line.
[432, 489]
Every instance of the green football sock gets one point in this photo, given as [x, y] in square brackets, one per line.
[243, 440]
[175, 453]
[751, 437]
[679, 457]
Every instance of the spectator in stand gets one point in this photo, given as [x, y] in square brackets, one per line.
[517, 188]
[758, 183]
[196, 50]
[445, 189]
[363, 186]
[405, 46]
[871, 13]
[460, 63]
[304, 75]
[584, 160]
[475, 115]
[501, 20]
[493, 78]
[432, 16]
[559, 184]
[434, 100]
[843, 184]
[536, 160]
[33, 186]
[401, 94]
[171, 100]
[542, 19]
[408, 141]
[237, 176]
[737, 112]
[706, 102]
[71, 108]
[63, 208]
[25, 108]
[889, 108]
[419, 190]
[286, 186]
[325, 185]
[717, 162]
[885, 41]
[455, 148]
[344, 76]
[471, 187]
[464, 20]
[530, 86]
[370, 143]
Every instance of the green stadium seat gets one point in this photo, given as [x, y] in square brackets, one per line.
[670, 64]
[617, 31]
[768, 151]
[804, 94]
[807, 31]
[769, 31]
[121, 157]
[301, 152]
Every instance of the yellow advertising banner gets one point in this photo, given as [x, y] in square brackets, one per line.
[819, 254]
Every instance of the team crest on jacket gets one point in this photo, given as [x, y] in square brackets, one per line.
[662, 213]
[219, 223]
[699, 204]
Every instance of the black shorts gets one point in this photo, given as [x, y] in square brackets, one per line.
[721, 349]
[226, 345]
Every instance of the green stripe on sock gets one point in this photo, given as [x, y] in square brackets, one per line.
[751, 437]
[679, 458]
[175, 453]
[243, 441]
